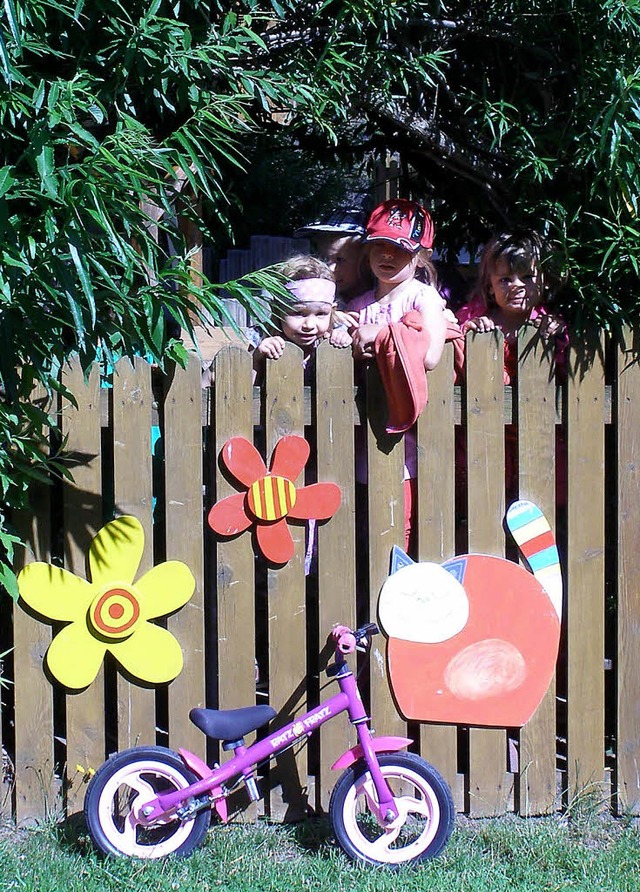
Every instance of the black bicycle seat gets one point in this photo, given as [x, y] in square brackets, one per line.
[231, 724]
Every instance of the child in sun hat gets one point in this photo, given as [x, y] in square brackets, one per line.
[339, 241]
[401, 323]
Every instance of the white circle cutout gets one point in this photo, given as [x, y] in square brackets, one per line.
[423, 602]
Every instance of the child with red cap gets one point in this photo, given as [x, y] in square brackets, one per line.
[401, 322]
[398, 240]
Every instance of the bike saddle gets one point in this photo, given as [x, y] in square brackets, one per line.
[231, 724]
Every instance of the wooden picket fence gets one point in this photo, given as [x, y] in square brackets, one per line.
[584, 740]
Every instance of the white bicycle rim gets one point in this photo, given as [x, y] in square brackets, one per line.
[132, 785]
[419, 817]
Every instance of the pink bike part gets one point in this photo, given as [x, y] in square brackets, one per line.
[201, 768]
[378, 744]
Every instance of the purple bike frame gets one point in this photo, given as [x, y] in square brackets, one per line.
[246, 757]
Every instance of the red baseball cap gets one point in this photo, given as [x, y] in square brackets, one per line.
[403, 222]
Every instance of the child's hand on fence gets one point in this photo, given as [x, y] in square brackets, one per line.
[551, 326]
[479, 324]
[363, 340]
[340, 337]
[270, 348]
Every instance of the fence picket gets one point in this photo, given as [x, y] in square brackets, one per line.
[487, 788]
[133, 494]
[437, 524]
[182, 458]
[585, 575]
[628, 686]
[231, 563]
[287, 629]
[82, 518]
[336, 540]
[385, 528]
[37, 785]
[536, 785]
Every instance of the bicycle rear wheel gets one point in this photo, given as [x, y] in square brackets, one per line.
[125, 782]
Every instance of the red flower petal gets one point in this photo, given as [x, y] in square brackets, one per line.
[320, 501]
[228, 516]
[243, 460]
[275, 542]
[289, 457]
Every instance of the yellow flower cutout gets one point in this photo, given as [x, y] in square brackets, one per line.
[110, 613]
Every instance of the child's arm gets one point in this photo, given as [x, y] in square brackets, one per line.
[436, 324]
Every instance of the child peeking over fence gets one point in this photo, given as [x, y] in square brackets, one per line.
[306, 317]
[515, 287]
[402, 324]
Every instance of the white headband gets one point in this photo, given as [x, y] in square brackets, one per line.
[313, 290]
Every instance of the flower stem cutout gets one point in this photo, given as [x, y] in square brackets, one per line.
[112, 611]
[271, 498]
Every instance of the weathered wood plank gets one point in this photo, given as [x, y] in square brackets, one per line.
[436, 525]
[336, 539]
[487, 788]
[385, 497]
[82, 518]
[182, 447]
[585, 577]
[234, 567]
[283, 414]
[37, 787]
[536, 779]
[133, 492]
[628, 703]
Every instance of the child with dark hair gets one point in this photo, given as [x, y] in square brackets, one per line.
[515, 287]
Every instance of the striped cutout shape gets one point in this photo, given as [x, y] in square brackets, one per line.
[534, 537]
[271, 498]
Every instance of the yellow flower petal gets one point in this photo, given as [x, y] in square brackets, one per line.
[116, 551]
[75, 656]
[54, 592]
[151, 653]
[165, 588]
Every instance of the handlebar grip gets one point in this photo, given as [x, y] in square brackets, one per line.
[344, 639]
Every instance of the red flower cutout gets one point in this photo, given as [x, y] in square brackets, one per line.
[271, 496]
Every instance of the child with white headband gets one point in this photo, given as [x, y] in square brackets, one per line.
[307, 317]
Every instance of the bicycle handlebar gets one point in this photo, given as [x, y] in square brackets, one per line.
[347, 640]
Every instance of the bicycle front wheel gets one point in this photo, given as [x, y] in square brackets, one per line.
[126, 781]
[422, 796]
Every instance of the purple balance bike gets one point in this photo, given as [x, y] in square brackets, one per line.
[388, 807]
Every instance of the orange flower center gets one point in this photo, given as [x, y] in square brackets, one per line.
[114, 612]
[271, 498]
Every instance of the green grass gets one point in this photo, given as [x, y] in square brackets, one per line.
[597, 854]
